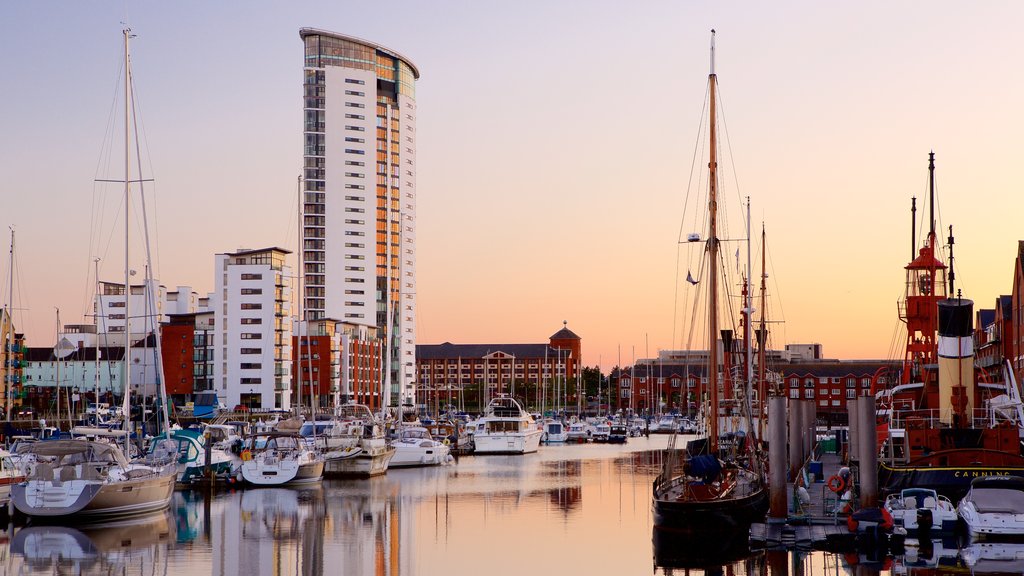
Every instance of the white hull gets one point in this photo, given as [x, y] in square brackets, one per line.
[282, 472]
[365, 464]
[94, 499]
[510, 443]
[408, 456]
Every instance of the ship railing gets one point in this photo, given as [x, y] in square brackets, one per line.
[931, 418]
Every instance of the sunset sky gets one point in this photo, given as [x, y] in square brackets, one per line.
[554, 148]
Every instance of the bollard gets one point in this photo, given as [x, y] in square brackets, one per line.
[868, 446]
[851, 433]
[778, 504]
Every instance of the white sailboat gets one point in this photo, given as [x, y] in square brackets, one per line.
[82, 478]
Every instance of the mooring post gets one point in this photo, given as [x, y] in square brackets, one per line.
[851, 432]
[794, 443]
[867, 438]
[778, 503]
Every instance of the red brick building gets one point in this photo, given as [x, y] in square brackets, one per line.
[467, 375]
[338, 362]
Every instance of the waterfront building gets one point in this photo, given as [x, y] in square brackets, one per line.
[651, 387]
[187, 345]
[77, 372]
[359, 194]
[338, 361]
[252, 328]
[467, 375]
[12, 356]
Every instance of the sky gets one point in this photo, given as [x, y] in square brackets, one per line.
[554, 147]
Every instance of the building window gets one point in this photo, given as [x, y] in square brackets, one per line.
[252, 276]
[252, 320]
[851, 394]
[809, 393]
[353, 81]
[355, 105]
[252, 336]
[794, 393]
[251, 351]
[251, 306]
[251, 291]
[353, 151]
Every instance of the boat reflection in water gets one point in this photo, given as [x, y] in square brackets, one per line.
[138, 545]
[687, 550]
[575, 509]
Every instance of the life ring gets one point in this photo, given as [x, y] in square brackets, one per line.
[837, 484]
[246, 455]
[447, 442]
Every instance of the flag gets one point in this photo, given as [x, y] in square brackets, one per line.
[737, 260]
[689, 278]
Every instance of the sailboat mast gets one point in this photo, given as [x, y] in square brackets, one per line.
[126, 361]
[712, 365]
[96, 345]
[762, 340]
[7, 334]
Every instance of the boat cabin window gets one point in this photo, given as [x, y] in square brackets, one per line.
[504, 426]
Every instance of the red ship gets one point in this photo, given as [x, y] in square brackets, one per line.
[938, 426]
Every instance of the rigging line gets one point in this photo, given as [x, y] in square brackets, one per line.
[136, 105]
[693, 163]
[98, 189]
[732, 159]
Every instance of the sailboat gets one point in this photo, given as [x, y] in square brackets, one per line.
[93, 478]
[706, 491]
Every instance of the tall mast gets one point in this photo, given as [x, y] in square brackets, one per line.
[712, 365]
[126, 361]
[96, 346]
[931, 198]
[299, 314]
[762, 339]
[7, 335]
[747, 328]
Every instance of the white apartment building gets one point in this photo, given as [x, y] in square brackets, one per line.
[109, 308]
[359, 195]
[252, 328]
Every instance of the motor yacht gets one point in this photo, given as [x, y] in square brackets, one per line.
[554, 432]
[415, 447]
[579, 432]
[506, 428]
[921, 509]
[356, 442]
[994, 507]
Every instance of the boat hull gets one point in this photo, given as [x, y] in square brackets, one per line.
[285, 473]
[363, 465]
[718, 514]
[89, 499]
[950, 481]
[516, 443]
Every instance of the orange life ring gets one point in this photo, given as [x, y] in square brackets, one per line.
[837, 484]
[246, 455]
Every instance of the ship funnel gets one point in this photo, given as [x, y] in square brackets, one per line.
[956, 362]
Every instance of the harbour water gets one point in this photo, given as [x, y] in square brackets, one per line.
[574, 509]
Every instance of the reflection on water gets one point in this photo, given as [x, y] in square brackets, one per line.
[566, 509]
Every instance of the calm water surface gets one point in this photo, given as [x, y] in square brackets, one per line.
[575, 509]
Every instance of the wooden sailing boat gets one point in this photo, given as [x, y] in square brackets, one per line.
[707, 491]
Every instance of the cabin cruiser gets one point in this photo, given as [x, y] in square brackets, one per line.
[994, 507]
[278, 459]
[415, 447]
[666, 425]
[601, 431]
[554, 432]
[191, 456]
[687, 426]
[578, 432]
[506, 428]
[89, 478]
[618, 433]
[920, 510]
[356, 443]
